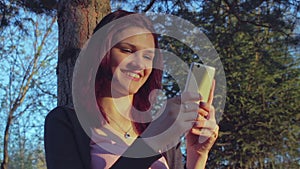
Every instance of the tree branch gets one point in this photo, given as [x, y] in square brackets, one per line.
[148, 7]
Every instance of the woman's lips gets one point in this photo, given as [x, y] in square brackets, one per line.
[133, 75]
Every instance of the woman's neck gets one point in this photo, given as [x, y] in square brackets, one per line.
[117, 109]
[118, 113]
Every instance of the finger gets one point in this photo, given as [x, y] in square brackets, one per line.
[199, 123]
[209, 109]
[208, 136]
[202, 112]
[200, 117]
[205, 124]
[212, 114]
[205, 106]
[202, 132]
[211, 94]
[205, 134]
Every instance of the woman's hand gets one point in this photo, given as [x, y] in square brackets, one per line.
[203, 134]
[177, 118]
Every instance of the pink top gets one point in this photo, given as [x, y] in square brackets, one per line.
[105, 151]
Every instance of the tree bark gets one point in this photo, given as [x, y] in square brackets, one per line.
[76, 21]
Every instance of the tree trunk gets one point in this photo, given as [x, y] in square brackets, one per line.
[76, 21]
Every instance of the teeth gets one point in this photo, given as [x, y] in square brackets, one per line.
[134, 75]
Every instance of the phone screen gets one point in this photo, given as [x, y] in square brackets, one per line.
[200, 79]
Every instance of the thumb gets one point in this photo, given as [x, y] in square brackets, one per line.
[211, 93]
[212, 114]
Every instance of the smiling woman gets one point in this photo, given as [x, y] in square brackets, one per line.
[129, 73]
[131, 61]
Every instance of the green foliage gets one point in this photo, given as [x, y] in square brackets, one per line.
[258, 128]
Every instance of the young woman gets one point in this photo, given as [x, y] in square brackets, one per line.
[126, 136]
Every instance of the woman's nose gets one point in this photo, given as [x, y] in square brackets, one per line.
[137, 61]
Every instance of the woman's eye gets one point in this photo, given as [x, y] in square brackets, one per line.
[148, 57]
[126, 50]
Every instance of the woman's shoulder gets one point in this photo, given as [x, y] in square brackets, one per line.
[61, 113]
[61, 110]
[63, 134]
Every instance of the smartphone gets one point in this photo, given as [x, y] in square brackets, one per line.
[200, 79]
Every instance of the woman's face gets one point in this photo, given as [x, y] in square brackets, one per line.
[131, 60]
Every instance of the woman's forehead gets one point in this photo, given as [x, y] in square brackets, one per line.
[135, 36]
[132, 32]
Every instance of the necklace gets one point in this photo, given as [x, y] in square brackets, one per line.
[126, 133]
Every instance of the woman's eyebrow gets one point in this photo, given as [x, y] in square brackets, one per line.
[126, 43]
[135, 47]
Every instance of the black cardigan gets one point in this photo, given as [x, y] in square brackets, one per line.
[67, 146]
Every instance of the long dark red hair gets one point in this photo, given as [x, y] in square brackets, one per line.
[104, 75]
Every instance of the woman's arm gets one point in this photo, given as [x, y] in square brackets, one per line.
[62, 141]
[199, 145]
[203, 135]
